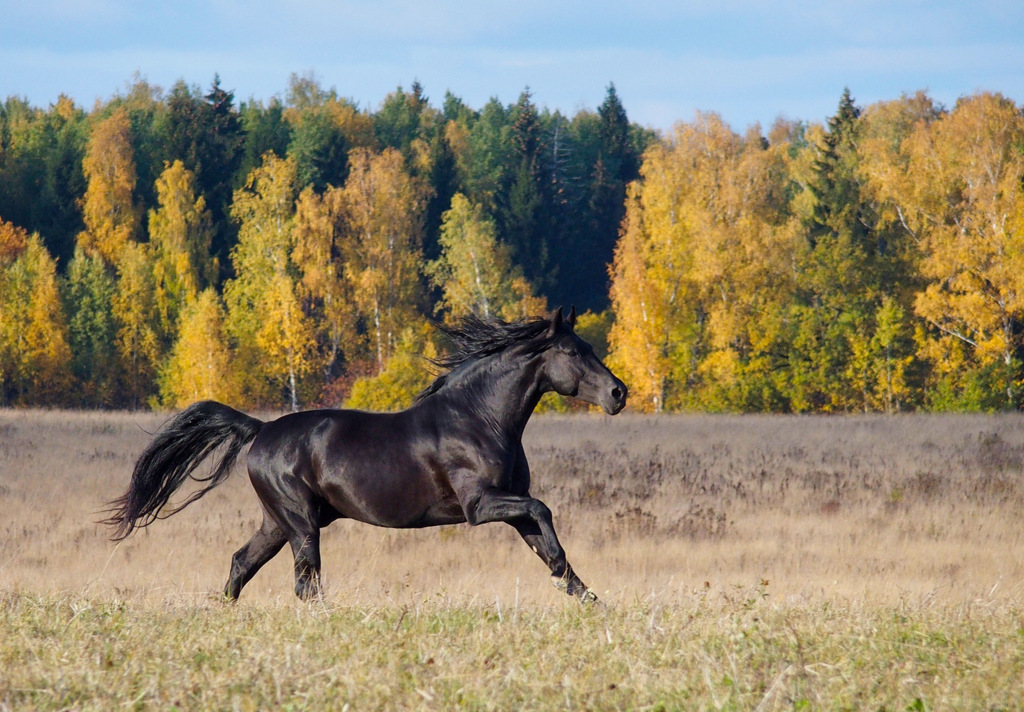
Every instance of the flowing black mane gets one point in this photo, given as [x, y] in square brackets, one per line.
[476, 338]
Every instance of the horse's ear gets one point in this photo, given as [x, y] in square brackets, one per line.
[571, 321]
[556, 322]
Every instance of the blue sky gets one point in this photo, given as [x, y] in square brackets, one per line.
[748, 61]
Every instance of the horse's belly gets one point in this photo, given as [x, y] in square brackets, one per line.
[390, 501]
[447, 511]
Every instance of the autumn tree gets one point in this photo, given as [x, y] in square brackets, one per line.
[145, 106]
[407, 373]
[700, 272]
[744, 239]
[111, 220]
[639, 338]
[199, 364]
[135, 313]
[383, 222]
[180, 234]
[34, 354]
[320, 255]
[274, 348]
[285, 336]
[109, 210]
[964, 203]
[474, 271]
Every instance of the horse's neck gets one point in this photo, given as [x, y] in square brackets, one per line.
[509, 388]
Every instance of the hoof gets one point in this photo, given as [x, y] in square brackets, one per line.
[574, 587]
[309, 590]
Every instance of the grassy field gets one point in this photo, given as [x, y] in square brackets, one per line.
[747, 563]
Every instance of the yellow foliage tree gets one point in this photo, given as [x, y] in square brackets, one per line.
[637, 337]
[884, 158]
[355, 125]
[199, 366]
[744, 241]
[13, 241]
[963, 201]
[475, 272]
[320, 254]
[286, 336]
[406, 374]
[180, 233]
[383, 220]
[108, 208]
[135, 313]
[701, 268]
[35, 360]
[275, 345]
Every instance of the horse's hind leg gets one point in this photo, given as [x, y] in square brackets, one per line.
[260, 549]
[280, 480]
[299, 518]
[306, 548]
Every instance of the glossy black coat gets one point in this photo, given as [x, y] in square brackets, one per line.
[455, 456]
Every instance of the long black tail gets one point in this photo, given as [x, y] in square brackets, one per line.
[175, 453]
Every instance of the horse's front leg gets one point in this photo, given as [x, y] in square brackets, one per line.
[562, 574]
[532, 519]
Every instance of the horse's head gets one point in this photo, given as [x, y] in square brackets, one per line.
[572, 368]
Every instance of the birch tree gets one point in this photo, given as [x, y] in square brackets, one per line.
[273, 348]
[383, 220]
[474, 271]
[108, 208]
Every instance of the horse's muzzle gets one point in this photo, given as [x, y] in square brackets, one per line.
[615, 399]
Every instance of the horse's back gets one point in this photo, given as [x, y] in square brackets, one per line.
[316, 440]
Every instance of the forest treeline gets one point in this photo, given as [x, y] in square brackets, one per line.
[871, 263]
[167, 247]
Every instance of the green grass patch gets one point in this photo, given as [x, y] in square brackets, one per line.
[63, 651]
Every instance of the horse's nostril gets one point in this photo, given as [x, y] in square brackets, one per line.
[616, 393]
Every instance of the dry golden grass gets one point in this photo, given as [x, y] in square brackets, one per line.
[746, 562]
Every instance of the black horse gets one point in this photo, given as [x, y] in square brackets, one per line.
[455, 456]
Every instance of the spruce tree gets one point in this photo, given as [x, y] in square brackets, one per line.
[205, 133]
[838, 289]
[524, 202]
